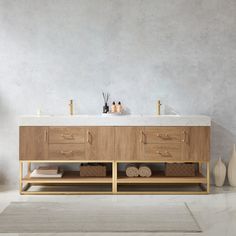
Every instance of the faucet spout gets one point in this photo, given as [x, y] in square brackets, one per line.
[159, 107]
[71, 107]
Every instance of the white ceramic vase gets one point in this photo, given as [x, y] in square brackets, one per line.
[219, 172]
[232, 169]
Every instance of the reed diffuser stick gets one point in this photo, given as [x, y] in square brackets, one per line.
[105, 98]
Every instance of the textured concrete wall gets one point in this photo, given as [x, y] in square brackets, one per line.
[183, 52]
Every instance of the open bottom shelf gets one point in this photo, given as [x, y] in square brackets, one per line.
[116, 182]
[161, 189]
[50, 188]
[56, 189]
[161, 178]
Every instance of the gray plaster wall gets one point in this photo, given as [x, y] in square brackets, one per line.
[180, 51]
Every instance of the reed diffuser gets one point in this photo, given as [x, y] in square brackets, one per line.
[105, 98]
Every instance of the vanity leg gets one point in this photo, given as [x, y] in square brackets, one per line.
[114, 177]
[29, 168]
[21, 174]
[208, 177]
[200, 167]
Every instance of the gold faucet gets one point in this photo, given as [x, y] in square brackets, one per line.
[159, 107]
[71, 107]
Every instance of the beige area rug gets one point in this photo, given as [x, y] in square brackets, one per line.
[57, 217]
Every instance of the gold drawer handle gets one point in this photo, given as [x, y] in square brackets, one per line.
[164, 154]
[67, 136]
[163, 136]
[66, 152]
[142, 139]
[186, 137]
[45, 136]
[89, 138]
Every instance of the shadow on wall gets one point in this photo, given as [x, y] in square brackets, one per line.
[3, 167]
[3, 112]
[222, 141]
[5, 120]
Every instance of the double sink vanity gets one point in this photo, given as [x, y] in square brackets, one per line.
[116, 141]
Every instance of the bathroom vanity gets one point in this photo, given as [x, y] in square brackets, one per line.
[116, 141]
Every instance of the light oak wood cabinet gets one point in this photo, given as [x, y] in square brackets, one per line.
[67, 152]
[162, 143]
[34, 143]
[64, 135]
[67, 143]
[128, 143]
[197, 146]
[115, 145]
[100, 143]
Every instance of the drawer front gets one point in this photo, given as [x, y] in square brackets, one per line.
[66, 135]
[66, 152]
[163, 135]
[164, 152]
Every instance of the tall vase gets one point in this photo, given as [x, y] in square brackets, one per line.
[219, 172]
[232, 169]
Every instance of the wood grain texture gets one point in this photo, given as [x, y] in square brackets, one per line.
[128, 143]
[164, 151]
[116, 143]
[163, 134]
[198, 146]
[33, 143]
[66, 152]
[67, 135]
[100, 143]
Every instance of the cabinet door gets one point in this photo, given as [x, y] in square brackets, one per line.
[197, 144]
[33, 143]
[100, 143]
[128, 143]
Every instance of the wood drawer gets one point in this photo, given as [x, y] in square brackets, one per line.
[66, 152]
[66, 135]
[163, 135]
[162, 151]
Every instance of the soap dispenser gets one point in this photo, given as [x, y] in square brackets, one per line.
[119, 107]
[113, 107]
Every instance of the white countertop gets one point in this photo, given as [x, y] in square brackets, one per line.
[116, 120]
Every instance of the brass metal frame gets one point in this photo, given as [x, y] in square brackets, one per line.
[208, 177]
[23, 189]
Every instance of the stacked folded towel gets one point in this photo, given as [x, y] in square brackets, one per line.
[46, 172]
[133, 170]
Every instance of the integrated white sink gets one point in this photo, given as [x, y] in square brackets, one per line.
[115, 120]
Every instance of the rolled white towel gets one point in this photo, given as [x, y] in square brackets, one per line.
[145, 171]
[132, 170]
